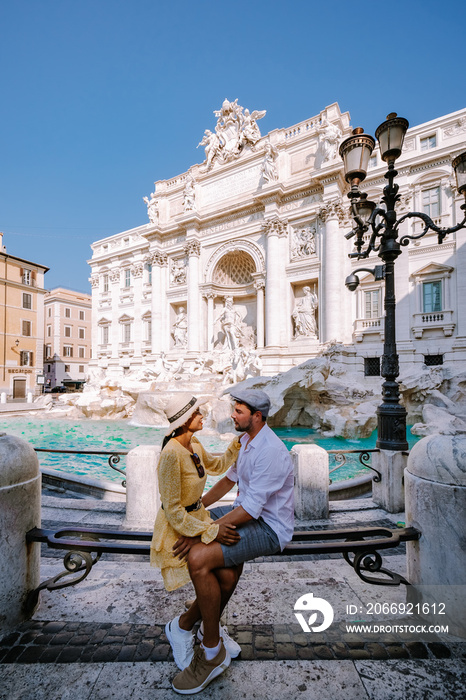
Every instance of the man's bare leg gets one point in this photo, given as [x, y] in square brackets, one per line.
[228, 578]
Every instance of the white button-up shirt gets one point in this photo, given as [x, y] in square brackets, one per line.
[264, 473]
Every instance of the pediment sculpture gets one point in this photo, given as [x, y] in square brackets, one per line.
[235, 130]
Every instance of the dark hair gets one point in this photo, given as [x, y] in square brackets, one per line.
[173, 434]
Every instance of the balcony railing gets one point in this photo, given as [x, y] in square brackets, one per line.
[435, 320]
[364, 326]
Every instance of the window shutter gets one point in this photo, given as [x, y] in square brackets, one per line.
[31, 359]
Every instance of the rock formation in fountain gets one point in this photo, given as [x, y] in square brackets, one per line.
[324, 393]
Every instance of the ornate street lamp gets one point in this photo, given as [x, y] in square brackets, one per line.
[384, 226]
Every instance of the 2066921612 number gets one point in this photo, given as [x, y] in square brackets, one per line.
[403, 609]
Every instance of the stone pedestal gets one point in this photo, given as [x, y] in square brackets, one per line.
[142, 490]
[20, 492]
[435, 483]
[389, 492]
[311, 482]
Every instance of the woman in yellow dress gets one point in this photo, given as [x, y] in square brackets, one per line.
[182, 472]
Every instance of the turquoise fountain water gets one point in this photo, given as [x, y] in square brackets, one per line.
[120, 436]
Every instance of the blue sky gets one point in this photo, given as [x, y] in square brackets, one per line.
[103, 97]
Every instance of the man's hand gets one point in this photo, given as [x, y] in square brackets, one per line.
[183, 545]
[227, 534]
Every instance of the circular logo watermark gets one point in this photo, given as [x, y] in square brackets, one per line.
[308, 604]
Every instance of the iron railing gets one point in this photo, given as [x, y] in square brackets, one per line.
[113, 460]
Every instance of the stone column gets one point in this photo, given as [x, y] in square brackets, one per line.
[210, 296]
[20, 493]
[274, 229]
[435, 484]
[158, 261]
[142, 490]
[95, 340]
[311, 482]
[137, 270]
[114, 334]
[193, 251]
[332, 272]
[388, 493]
[260, 286]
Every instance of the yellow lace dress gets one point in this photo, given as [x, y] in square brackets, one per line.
[180, 486]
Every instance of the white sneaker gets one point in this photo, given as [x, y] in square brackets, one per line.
[182, 643]
[232, 647]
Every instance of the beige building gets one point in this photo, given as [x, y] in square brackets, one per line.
[67, 331]
[21, 325]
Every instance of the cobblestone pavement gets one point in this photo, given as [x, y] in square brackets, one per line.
[69, 642]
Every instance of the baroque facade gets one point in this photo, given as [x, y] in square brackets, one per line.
[243, 262]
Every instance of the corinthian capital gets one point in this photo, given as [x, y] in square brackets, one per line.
[333, 210]
[137, 269]
[192, 247]
[159, 258]
[275, 227]
[94, 280]
[115, 275]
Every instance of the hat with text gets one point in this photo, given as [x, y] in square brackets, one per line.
[257, 399]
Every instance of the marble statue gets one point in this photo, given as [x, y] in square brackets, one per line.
[304, 315]
[177, 271]
[253, 364]
[230, 321]
[152, 208]
[189, 195]
[329, 137]
[180, 329]
[303, 242]
[269, 167]
[236, 128]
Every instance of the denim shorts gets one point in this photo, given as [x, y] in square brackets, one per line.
[257, 539]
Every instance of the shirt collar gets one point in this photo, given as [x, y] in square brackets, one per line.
[257, 439]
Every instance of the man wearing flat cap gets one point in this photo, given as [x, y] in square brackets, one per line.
[263, 514]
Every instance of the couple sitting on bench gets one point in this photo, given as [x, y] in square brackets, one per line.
[210, 547]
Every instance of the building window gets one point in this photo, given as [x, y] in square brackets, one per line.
[48, 352]
[428, 142]
[27, 277]
[372, 304]
[81, 369]
[67, 351]
[26, 358]
[127, 277]
[148, 273]
[81, 333]
[104, 335]
[373, 162]
[67, 368]
[49, 331]
[105, 283]
[26, 328]
[49, 367]
[49, 312]
[433, 360]
[372, 366]
[126, 332]
[67, 331]
[431, 297]
[431, 202]
[27, 301]
[82, 352]
[67, 313]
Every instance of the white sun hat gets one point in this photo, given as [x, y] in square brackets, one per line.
[180, 408]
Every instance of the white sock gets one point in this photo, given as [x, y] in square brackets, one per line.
[211, 652]
[177, 627]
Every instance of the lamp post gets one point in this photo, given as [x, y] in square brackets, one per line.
[383, 224]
